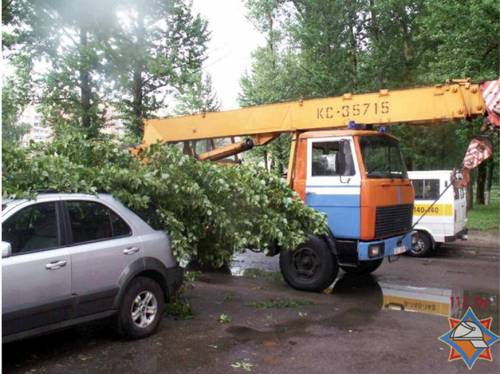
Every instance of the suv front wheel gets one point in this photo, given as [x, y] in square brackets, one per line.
[141, 309]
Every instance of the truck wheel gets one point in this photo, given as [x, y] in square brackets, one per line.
[364, 267]
[141, 309]
[310, 267]
[421, 246]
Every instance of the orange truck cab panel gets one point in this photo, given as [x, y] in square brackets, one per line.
[359, 180]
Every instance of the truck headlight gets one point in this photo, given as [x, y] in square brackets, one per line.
[376, 250]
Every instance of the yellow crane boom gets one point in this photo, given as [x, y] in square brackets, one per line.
[456, 100]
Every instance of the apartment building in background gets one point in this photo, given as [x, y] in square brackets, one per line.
[38, 130]
[41, 131]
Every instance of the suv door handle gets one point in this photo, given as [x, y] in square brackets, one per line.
[130, 251]
[54, 265]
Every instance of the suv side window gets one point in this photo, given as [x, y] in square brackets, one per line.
[33, 228]
[91, 221]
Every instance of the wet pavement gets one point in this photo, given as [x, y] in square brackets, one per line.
[386, 323]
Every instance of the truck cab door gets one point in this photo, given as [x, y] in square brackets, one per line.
[333, 183]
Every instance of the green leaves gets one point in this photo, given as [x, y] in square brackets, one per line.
[326, 48]
[210, 210]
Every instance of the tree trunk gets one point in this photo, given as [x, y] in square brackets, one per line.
[407, 48]
[481, 181]
[137, 107]
[489, 179]
[375, 36]
[353, 52]
[187, 149]
[138, 83]
[84, 80]
[470, 195]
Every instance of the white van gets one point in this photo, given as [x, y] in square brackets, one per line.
[446, 220]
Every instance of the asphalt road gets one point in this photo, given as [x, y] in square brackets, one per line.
[357, 326]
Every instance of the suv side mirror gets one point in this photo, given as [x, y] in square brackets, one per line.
[6, 249]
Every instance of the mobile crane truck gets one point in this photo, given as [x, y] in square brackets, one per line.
[356, 177]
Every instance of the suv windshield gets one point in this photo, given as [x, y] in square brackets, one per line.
[382, 157]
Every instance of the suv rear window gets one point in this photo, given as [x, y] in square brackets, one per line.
[92, 221]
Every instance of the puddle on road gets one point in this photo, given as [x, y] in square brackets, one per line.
[439, 301]
[445, 302]
[364, 291]
[428, 300]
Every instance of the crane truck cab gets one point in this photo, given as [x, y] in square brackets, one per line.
[359, 181]
[443, 222]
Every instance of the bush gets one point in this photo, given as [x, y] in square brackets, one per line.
[210, 210]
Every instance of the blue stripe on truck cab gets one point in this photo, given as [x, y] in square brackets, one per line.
[342, 211]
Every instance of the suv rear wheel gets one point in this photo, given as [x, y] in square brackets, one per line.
[141, 309]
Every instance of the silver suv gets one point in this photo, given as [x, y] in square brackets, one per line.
[72, 258]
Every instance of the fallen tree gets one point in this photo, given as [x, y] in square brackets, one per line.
[210, 211]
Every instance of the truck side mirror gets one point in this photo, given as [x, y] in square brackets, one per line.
[6, 249]
[340, 162]
[340, 158]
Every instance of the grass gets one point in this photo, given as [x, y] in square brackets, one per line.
[180, 310]
[485, 217]
[224, 318]
[279, 303]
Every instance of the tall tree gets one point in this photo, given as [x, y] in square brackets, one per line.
[365, 45]
[64, 37]
[274, 76]
[330, 36]
[160, 46]
[198, 96]
[16, 86]
[459, 39]
[16, 96]
[12, 129]
[462, 42]
[391, 56]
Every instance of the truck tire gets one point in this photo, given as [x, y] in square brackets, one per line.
[310, 267]
[141, 309]
[364, 267]
[422, 245]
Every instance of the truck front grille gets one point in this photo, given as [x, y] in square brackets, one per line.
[392, 220]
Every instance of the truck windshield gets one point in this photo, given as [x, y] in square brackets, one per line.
[382, 157]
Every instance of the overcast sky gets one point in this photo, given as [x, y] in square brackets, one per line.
[233, 39]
